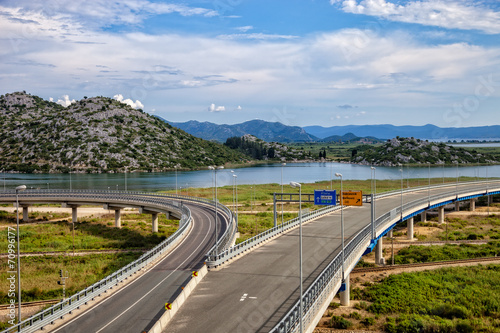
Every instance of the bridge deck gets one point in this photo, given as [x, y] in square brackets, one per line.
[252, 293]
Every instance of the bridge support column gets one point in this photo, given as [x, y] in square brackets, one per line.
[390, 233]
[345, 295]
[118, 218]
[155, 222]
[378, 252]
[25, 213]
[409, 227]
[457, 206]
[423, 217]
[472, 205]
[441, 214]
[74, 213]
[490, 199]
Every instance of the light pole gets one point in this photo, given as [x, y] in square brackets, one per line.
[374, 192]
[176, 180]
[70, 186]
[236, 198]
[18, 189]
[401, 170]
[282, 165]
[295, 184]
[341, 219]
[216, 204]
[125, 178]
[429, 188]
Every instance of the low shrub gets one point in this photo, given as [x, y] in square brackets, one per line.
[340, 323]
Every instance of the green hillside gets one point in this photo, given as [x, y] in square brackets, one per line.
[96, 134]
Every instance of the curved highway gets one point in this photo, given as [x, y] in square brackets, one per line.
[254, 292]
[138, 305]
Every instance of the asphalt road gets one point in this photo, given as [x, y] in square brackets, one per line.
[137, 306]
[252, 293]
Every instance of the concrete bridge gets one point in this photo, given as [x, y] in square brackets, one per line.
[259, 291]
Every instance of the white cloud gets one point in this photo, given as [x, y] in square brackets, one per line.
[446, 14]
[214, 108]
[64, 102]
[238, 108]
[244, 29]
[257, 36]
[135, 105]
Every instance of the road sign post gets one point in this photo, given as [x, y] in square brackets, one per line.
[352, 198]
[325, 197]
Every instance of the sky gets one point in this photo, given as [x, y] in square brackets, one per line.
[298, 62]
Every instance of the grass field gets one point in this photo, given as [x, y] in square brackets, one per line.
[460, 299]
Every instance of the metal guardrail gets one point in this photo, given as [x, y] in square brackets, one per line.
[81, 298]
[331, 276]
[216, 260]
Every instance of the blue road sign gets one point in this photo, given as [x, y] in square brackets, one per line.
[324, 197]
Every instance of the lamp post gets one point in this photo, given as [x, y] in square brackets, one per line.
[429, 187]
[215, 168]
[18, 189]
[295, 184]
[70, 186]
[125, 178]
[341, 219]
[282, 165]
[236, 198]
[374, 192]
[401, 170]
[176, 180]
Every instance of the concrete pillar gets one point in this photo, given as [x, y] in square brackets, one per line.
[457, 206]
[346, 294]
[378, 251]
[155, 222]
[441, 214]
[472, 205]
[118, 218]
[490, 199]
[25, 213]
[409, 226]
[74, 214]
[167, 214]
[390, 233]
[423, 216]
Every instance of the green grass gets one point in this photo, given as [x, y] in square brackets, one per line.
[420, 254]
[459, 299]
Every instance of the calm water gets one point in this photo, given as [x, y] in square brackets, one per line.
[262, 174]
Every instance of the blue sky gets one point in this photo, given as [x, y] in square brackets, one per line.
[299, 62]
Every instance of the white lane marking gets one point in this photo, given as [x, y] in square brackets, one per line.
[149, 292]
[125, 287]
[252, 297]
[243, 297]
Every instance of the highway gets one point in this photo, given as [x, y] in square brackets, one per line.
[137, 306]
[254, 292]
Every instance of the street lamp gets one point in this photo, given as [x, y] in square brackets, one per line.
[282, 226]
[374, 192]
[125, 178]
[236, 198]
[216, 205]
[401, 170]
[341, 219]
[176, 180]
[295, 184]
[18, 189]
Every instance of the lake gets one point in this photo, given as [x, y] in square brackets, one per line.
[261, 174]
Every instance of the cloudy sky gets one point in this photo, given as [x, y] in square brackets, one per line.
[299, 62]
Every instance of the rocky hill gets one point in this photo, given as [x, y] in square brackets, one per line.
[258, 149]
[96, 134]
[415, 151]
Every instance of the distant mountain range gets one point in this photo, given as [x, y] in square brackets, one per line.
[429, 132]
[263, 130]
[274, 131]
